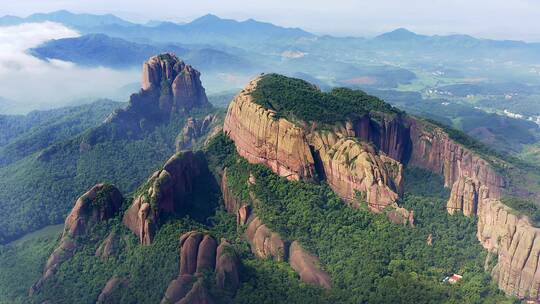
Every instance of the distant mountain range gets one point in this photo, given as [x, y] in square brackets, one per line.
[102, 50]
[206, 29]
[246, 48]
[213, 29]
[78, 21]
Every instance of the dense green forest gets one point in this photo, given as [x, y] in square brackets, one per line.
[39, 189]
[23, 135]
[297, 99]
[21, 262]
[369, 258]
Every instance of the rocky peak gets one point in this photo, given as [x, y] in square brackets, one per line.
[179, 84]
[200, 252]
[349, 165]
[100, 203]
[165, 192]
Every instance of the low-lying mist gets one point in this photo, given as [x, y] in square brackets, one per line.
[28, 83]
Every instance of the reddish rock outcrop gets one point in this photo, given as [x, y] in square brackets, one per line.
[476, 191]
[100, 203]
[261, 138]
[391, 134]
[265, 243]
[308, 266]
[232, 204]
[464, 196]
[169, 87]
[108, 247]
[341, 155]
[194, 131]
[401, 216]
[165, 192]
[227, 277]
[110, 287]
[517, 245]
[291, 151]
[435, 151]
[199, 252]
[179, 83]
[352, 166]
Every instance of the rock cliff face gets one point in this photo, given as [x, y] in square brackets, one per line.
[261, 138]
[169, 87]
[347, 163]
[166, 191]
[232, 204]
[352, 166]
[517, 245]
[476, 191]
[110, 287]
[194, 130]
[179, 83]
[307, 266]
[100, 203]
[266, 244]
[199, 252]
[365, 156]
[435, 151]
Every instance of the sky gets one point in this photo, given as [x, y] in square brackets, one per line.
[499, 19]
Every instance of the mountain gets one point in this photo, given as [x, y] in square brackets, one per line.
[96, 50]
[352, 168]
[400, 34]
[77, 21]
[102, 50]
[304, 196]
[127, 145]
[25, 134]
[208, 29]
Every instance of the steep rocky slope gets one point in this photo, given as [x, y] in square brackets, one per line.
[129, 144]
[348, 164]
[365, 155]
[166, 192]
[100, 203]
[267, 244]
[476, 191]
[199, 253]
[296, 224]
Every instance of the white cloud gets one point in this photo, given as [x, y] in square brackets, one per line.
[33, 84]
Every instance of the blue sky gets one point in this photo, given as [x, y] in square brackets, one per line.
[501, 19]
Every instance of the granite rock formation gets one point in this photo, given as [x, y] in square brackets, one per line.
[110, 287]
[517, 245]
[266, 244]
[166, 191]
[476, 191]
[307, 266]
[169, 88]
[179, 83]
[200, 252]
[109, 246]
[194, 130]
[349, 164]
[232, 204]
[365, 157]
[100, 203]
[261, 138]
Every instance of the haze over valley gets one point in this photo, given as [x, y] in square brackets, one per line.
[155, 155]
